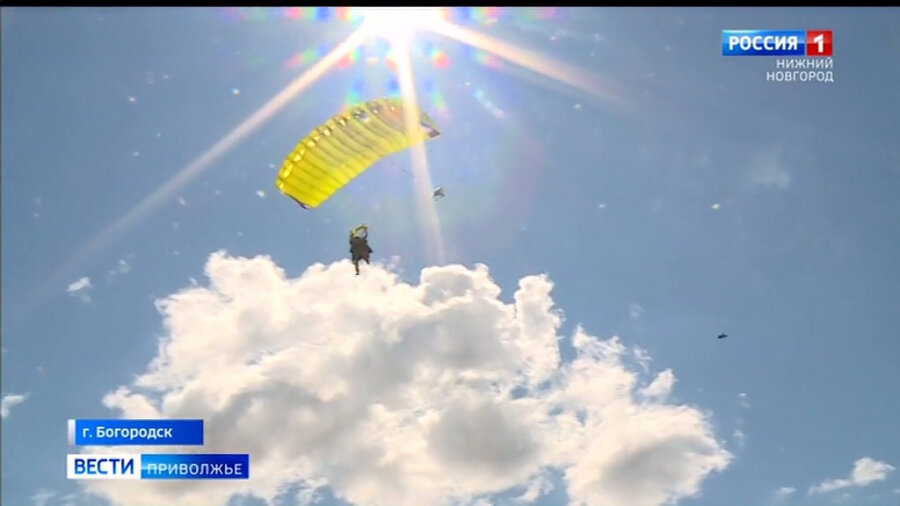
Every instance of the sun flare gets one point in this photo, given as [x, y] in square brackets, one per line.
[399, 24]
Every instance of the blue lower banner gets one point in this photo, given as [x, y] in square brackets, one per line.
[125, 432]
[158, 466]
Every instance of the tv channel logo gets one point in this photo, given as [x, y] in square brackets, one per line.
[777, 43]
[103, 467]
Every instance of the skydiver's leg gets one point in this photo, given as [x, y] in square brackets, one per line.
[355, 259]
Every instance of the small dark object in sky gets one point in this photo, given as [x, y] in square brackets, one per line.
[723, 336]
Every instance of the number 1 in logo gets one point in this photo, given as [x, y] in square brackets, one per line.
[819, 43]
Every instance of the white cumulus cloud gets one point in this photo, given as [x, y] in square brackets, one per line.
[635, 311]
[80, 289]
[42, 497]
[399, 394]
[768, 170]
[122, 267]
[661, 386]
[740, 438]
[69, 500]
[9, 401]
[784, 493]
[642, 357]
[865, 472]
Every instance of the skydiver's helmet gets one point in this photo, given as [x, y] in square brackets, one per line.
[359, 232]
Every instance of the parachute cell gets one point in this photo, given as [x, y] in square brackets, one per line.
[343, 147]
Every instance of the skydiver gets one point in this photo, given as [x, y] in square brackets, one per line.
[723, 336]
[359, 247]
[438, 193]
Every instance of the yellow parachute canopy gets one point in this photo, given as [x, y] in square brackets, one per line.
[340, 149]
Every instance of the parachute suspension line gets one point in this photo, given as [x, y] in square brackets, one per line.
[402, 169]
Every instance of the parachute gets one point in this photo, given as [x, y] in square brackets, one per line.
[346, 145]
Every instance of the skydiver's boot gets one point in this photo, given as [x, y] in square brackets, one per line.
[356, 266]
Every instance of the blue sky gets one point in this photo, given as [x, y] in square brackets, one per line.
[703, 200]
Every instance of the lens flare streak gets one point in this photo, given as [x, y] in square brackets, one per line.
[200, 164]
[399, 60]
[568, 74]
[429, 224]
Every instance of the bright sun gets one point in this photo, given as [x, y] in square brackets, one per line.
[398, 24]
